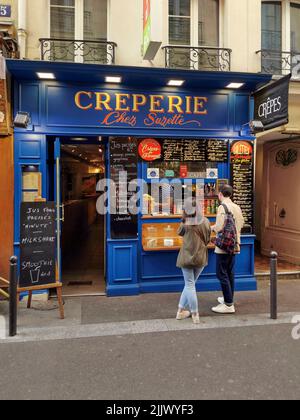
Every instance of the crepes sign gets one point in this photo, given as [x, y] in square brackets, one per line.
[272, 104]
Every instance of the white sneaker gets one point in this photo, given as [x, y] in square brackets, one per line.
[181, 315]
[196, 318]
[221, 301]
[224, 309]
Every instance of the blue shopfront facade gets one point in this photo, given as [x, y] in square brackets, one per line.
[78, 103]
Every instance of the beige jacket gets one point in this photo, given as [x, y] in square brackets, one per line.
[238, 217]
[194, 251]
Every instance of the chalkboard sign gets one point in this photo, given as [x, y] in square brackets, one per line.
[242, 173]
[123, 159]
[38, 244]
[217, 151]
[200, 150]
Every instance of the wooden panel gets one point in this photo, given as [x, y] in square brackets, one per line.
[6, 203]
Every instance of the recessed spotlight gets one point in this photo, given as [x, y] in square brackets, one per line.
[113, 79]
[175, 83]
[79, 139]
[46, 76]
[235, 85]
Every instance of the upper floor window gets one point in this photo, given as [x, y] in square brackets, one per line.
[281, 36]
[194, 22]
[78, 19]
[272, 25]
[73, 23]
[295, 27]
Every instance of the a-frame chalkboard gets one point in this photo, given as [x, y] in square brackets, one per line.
[38, 250]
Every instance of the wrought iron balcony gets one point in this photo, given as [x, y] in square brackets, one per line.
[280, 62]
[89, 52]
[198, 58]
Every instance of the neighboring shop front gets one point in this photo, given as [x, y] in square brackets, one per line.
[195, 135]
[277, 172]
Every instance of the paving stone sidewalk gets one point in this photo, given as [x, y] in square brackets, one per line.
[103, 310]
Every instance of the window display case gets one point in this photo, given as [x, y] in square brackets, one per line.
[163, 237]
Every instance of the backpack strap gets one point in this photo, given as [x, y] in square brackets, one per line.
[226, 209]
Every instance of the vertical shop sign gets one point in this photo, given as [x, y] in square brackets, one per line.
[242, 173]
[152, 28]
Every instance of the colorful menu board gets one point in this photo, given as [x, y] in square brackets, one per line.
[200, 150]
[242, 172]
[123, 160]
[38, 244]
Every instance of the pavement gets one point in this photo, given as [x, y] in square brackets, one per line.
[99, 316]
[133, 348]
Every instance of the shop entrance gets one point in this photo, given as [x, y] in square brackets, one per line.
[81, 166]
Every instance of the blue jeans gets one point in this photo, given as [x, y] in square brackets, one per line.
[189, 297]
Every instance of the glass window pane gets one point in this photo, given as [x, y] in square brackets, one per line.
[208, 22]
[62, 23]
[95, 19]
[63, 3]
[179, 31]
[272, 26]
[180, 7]
[295, 28]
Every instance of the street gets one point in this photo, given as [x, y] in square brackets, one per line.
[259, 362]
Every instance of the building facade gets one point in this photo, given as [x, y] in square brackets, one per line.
[237, 36]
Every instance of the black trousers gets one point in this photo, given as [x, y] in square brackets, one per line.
[225, 273]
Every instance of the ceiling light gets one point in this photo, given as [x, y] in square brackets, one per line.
[113, 79]
[45, 76]
[175, 83]
[79, 139]
[235, 85]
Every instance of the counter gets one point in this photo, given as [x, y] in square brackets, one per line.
[158, 263]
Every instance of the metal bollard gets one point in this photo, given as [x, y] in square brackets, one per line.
[13, 285]
[274, 286]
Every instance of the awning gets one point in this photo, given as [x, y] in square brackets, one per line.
[135, 76]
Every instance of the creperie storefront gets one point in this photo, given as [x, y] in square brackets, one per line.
[83, 130]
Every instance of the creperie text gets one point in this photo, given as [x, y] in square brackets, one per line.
[135, 103]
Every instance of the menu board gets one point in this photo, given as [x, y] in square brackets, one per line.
[242, 173]
[217, 150]
[201, 150]
[38, 244]
[123, 167]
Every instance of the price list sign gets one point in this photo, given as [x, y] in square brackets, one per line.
[200, 150]
[123, 164]
[217, 150]
[242, 171]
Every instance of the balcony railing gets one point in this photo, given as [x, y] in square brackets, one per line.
[8, 46]
[89, 52]
[198, 58]
[280, 62]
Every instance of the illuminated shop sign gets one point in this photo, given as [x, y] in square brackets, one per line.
[155, 110]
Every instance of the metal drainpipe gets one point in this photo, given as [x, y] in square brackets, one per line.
[22, 27]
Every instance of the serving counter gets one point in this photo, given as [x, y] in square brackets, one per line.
[160, 245]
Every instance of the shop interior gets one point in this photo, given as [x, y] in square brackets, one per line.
[83, 229]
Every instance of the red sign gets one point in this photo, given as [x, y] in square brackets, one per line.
[241, 152]
[183, 171]
[150, 150]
